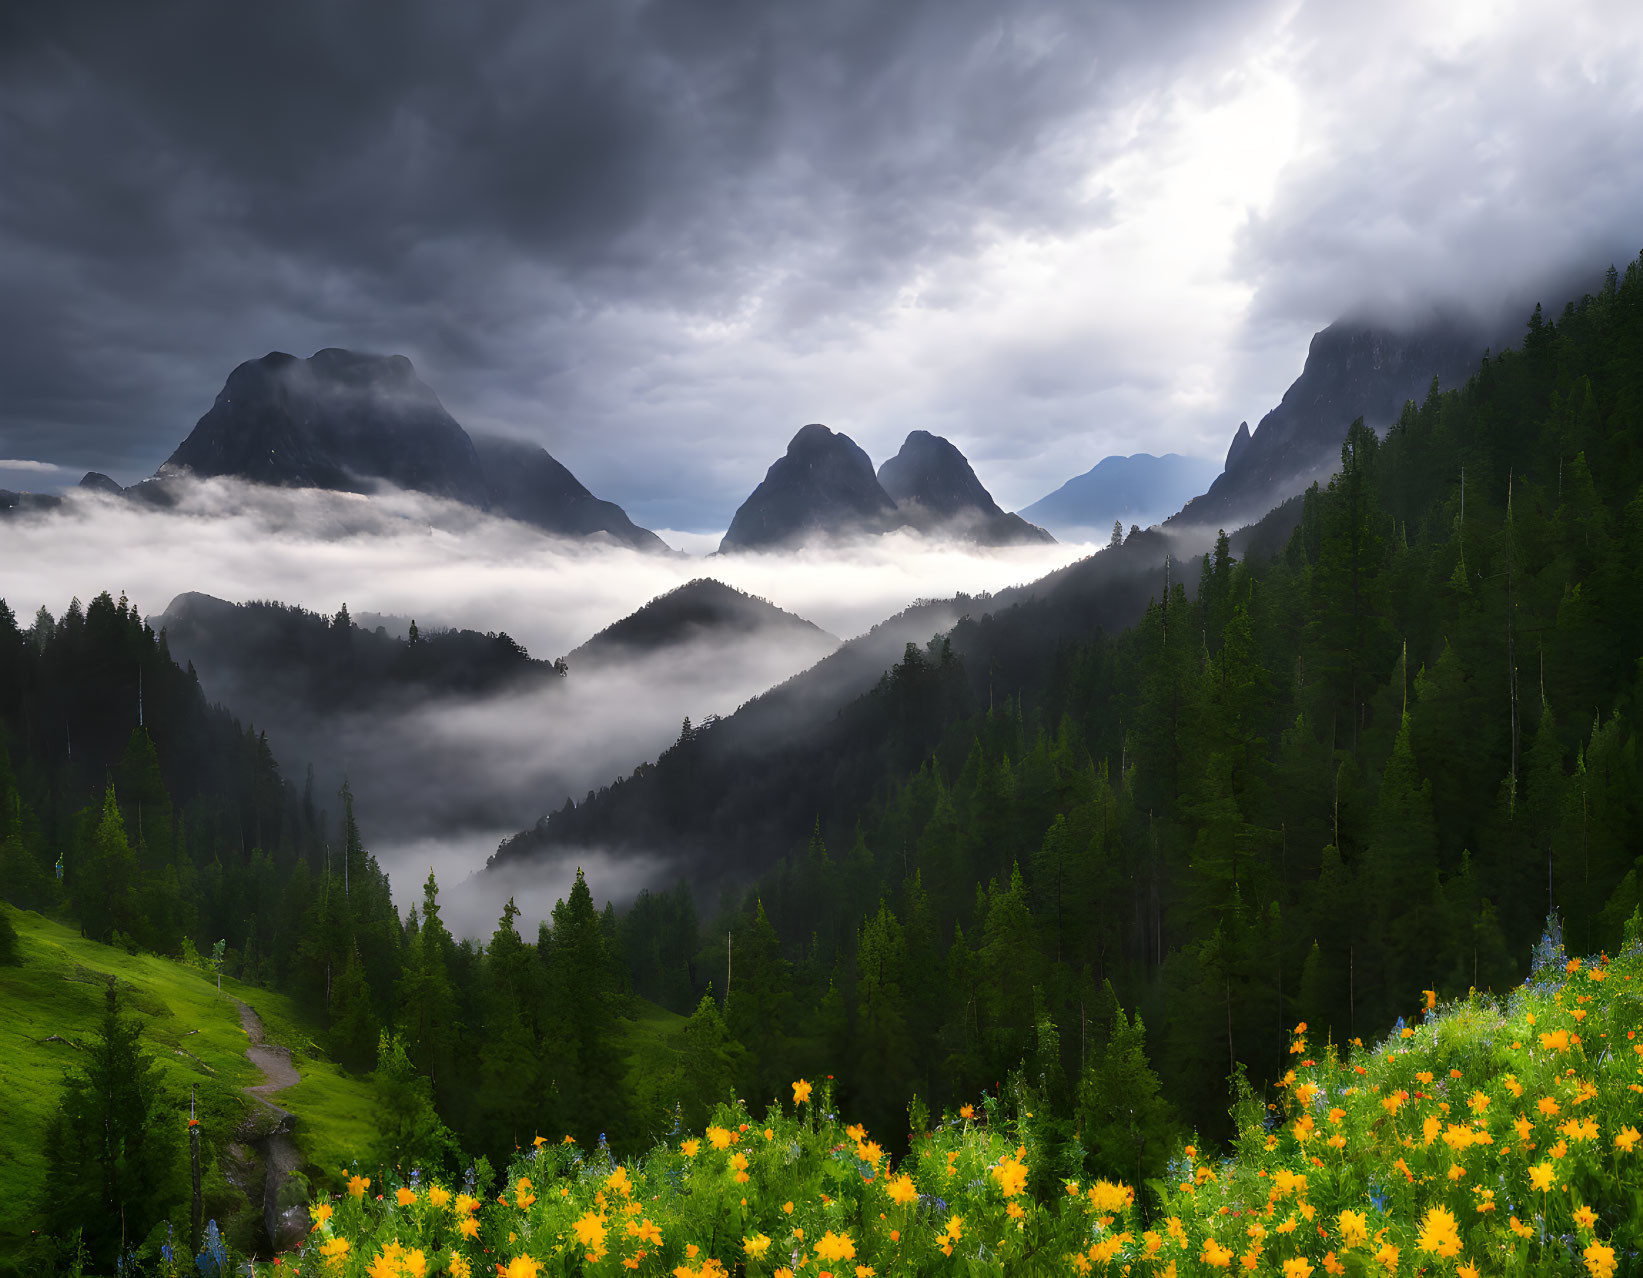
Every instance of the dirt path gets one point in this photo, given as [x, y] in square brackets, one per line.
[274, 1062]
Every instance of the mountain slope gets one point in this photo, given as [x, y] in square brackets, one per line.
[1352, 370]
[822, 486]
[259, 656]
[936, 490]
[527, 484]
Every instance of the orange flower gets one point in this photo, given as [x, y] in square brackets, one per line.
[836, 1247]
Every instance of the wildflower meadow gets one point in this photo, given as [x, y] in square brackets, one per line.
[1480, 1137]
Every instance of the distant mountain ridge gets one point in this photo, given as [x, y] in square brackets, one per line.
[936, 490]
[343, 420]
[1138, 489]
[822, 486]
[703, 609]
[825, 486]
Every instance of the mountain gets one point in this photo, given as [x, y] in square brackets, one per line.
[1352, 370]
[98, 482]
[1139, 489]
[529, 485]
[824, 485]
[343, 420]
[16, 503]
[267, 659]
[700, 611]
[936, 490]
[336, 420]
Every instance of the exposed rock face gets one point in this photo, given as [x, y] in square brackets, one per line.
[347, 421]
[937, 491]
[1240, 441]
[1352, 370]
[823, 486]
[98, 482]
[337, 420]
[1138, 489]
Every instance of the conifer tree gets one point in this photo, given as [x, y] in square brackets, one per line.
[580, 1028]
[1126, 1124]
[410, 1132]
[113, 1163]
[712, 1062]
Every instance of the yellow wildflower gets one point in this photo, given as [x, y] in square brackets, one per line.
[836, 1247]
[801, 1092]
[1354, 1227]
[404, 1196]
[1011, 1177]
[590, 1230]
[1440, 1233]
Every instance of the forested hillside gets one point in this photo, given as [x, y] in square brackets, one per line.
[1362, 760]
[1367, 764]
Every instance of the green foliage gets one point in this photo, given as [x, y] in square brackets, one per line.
[409, 1132]
[1486, 1138]
[10, 953]
[1126, 1124]
[114, 1162]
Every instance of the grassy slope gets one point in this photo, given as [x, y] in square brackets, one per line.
[191, 1029]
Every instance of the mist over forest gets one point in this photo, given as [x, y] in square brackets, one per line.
[441, 778]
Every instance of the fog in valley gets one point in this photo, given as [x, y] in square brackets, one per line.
[438, 782]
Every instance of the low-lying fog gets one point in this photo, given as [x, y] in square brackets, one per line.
[441, 783]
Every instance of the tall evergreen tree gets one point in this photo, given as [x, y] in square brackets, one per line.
[113, 1163]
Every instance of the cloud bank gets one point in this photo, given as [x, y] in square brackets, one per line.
[441, 782]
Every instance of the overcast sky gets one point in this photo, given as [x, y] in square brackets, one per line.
[658, 238]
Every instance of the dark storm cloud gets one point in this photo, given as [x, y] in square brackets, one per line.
[189, 185]
[657, 238]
